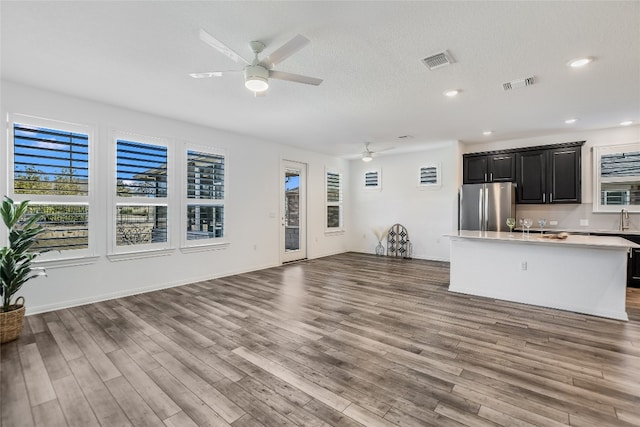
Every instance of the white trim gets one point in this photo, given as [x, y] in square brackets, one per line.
[126, 250]
[206, 247]
[378, 186]
[339, 204]
[437, 184]
[148, 253]
[198, 245]
[129, 292]
[598, 151]
[65, 262]
[88, 200]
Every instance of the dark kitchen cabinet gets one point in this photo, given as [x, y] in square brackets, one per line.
[551, 175]
[531, 177]
[565, 175]
[495, 167]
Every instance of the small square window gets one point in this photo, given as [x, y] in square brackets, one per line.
[372, 179]
[429, 176]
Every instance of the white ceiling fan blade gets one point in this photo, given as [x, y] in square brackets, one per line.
[384, 149]
[205, 75]
[285, 51]
[281, 75]
[221, 47]
[208, 74]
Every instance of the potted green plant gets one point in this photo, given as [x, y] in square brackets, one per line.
[16, 265]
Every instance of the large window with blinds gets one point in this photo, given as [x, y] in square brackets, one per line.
[51, 168]
[141, 193]
[205, 186]
[617, 178]
[334, 201]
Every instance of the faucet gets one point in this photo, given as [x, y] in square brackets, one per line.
[624, 219]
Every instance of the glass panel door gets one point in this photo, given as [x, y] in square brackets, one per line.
[293, 211]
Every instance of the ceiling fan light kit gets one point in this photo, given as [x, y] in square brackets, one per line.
[256, 78]
[366, 156]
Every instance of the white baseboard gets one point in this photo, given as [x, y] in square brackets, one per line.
[135, 291]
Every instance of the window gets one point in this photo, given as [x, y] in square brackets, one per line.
[205, 195]
[51, 168]
[141, 194]
[429, 176]
[334, 201]
[372, 179]
[617, 178]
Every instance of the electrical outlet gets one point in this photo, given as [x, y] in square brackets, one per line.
[523, 266]
[553, 222]
[584, 222]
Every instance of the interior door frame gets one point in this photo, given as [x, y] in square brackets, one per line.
[301, 253]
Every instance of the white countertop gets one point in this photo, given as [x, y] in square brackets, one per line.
[610, 242]
[549, 230]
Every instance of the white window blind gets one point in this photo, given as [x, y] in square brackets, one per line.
[205, 195]
[334, 201]
[372, 179]
[141, 210]
[429, 175]
[51, 169]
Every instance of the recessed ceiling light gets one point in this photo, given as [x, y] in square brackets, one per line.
[626, 123]
[487, 132]
[451, 93]
[570, 121]
[579, 62]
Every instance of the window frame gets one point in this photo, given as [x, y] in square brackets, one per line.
[378, 185]
[427, 185]
[211, 243]
[597, 153]
[339, 203]
[72, 256]
[118, 252]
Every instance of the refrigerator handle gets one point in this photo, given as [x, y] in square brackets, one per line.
[481, 210]
[486, 210]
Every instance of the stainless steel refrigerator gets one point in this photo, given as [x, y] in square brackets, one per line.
[486, 207]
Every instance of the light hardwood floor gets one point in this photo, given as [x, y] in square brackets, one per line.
[345, 340]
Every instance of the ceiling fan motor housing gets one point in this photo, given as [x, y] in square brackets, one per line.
[256, 77]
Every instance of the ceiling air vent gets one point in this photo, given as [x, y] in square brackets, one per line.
[515, 84]
[438, 60]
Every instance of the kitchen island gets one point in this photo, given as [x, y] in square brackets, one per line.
[584, 274]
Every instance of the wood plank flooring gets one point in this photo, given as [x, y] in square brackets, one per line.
[346, 340]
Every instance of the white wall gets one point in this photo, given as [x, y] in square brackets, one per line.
[426, 212]
[252, 211]
[569, 215]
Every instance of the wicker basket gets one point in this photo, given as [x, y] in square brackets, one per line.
[11, 321]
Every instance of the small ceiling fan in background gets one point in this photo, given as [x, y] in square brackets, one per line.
[258, 72]
[367, 154]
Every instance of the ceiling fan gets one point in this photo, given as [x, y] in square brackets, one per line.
[367, 154]
[258, 72]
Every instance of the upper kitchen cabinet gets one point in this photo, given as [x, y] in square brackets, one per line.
[492, 167]
[550, 175]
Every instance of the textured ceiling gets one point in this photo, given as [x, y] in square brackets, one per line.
[139, 54]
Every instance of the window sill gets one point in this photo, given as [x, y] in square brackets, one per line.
[334, 232]
[124, 256]
[66, 262]
[206, 247]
